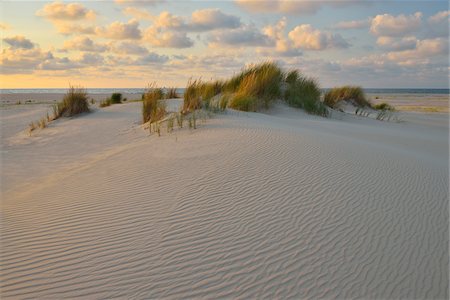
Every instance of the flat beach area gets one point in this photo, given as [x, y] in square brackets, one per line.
[276, 204]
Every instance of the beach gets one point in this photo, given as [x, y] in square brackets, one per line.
[275, 204]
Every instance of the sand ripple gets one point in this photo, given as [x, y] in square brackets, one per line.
[245, 207]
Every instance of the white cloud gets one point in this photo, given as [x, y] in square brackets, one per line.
[20, 60]
[244, 36]
[68, 29]
[397, 44]
[130, 48]
[306, 37]
[67, 12]
[19, 41]
[83, 43]
[356, 24]
[139, 3]
[439, 17]
[120, 31]
[283, 46]
[167, 39]
[424, 49]
[395, 26]
[210, 19]
[298, 7]
[4, 26]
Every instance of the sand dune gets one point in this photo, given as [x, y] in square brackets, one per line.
[250, 205]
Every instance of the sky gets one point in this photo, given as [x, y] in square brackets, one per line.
[131, 43]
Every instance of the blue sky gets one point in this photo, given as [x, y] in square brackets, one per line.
[132, 43]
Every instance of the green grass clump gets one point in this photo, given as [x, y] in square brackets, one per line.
[384, 106]
[116, 98]
[74, 102]
[354, 94]
[153, 108]
[303, 92]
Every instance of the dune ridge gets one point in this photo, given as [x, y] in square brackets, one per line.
[249, 205]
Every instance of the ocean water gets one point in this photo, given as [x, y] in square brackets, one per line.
[181, 91]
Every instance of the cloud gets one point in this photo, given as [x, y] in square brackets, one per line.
[138, 13]
[20, 60]
[67, 12]
[139, 3]
[130, 48]
[397, 44]
[306, 37]
[55, 64]
[153, 58]
[299, 7]
[83, 43]
[167, 39]
[439, 17]
[120, 31]
[69, 29]
[244, 36]
[210, 19]
[19, 41]
[424, 49]
[395, 26]
[91, 59]
[4, 26]
[167, 20]
[356, 24]
[438, 25]
[283, 46]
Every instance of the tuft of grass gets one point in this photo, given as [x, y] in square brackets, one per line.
[303, 92]
[116, 98]
[261, 83]
[31, 127]
[74, 102]
[171, 93]
[153, 107]
[384, 106]
[223, 103]
[192, 97]
[353, 94]
[42, 123]
[243, 102]
[170, 122]
[180, 120]
[105, 103]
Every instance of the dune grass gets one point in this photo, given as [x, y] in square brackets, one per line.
[105, 103]
[352, 94]
[153, 108]
[384, 106]
[116, 98]
[171, 93]
[255, 88]
[304, 92]
[75, 102]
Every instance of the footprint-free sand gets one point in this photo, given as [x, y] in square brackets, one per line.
[249, 205]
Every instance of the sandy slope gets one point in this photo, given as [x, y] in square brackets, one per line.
[249, 205]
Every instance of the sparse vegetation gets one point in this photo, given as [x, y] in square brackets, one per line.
[105, 103]
[116, 98]
[352, 94]
[171, 93]
[384, 106]
[153, 109]
[74, 102]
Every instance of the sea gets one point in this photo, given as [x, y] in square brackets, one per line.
[181, 91]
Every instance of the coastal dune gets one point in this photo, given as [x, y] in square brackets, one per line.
[249, 205]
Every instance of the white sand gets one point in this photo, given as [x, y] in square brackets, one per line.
[279, 205]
